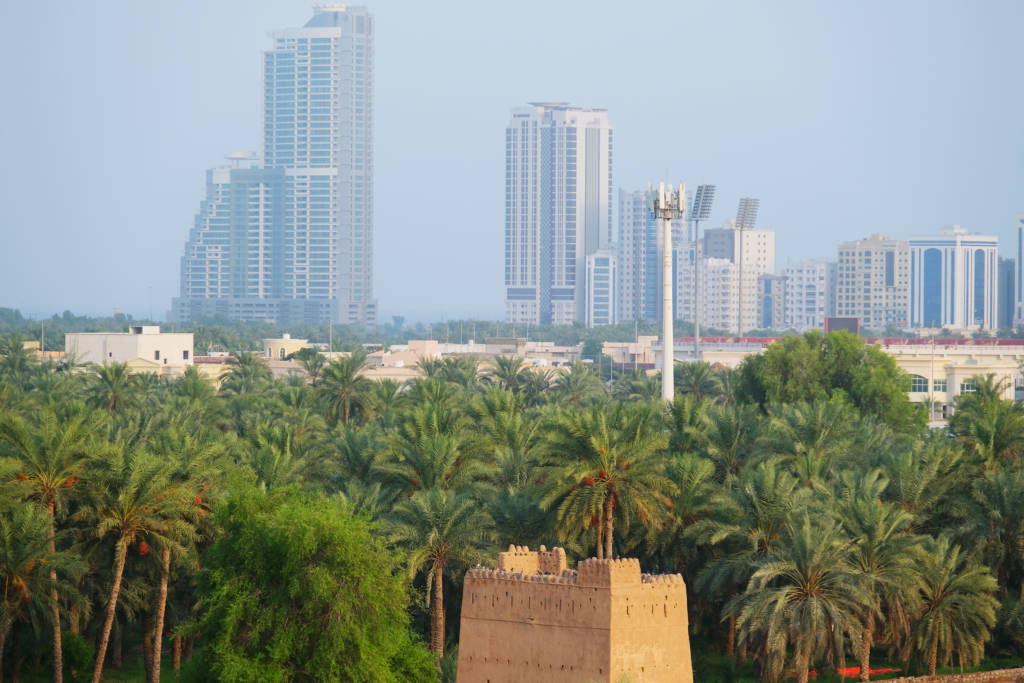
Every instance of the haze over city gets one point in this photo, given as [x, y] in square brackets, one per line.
[845, 120]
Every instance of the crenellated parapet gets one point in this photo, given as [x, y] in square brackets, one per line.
[521, 558]
[607, 573]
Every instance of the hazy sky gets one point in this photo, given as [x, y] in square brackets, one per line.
[845, 118]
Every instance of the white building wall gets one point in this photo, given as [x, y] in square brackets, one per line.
[172, 349]
[809, 294]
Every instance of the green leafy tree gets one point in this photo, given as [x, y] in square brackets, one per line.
[296, 589]
[816, 367]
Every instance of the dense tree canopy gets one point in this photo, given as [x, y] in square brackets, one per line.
[319, 527]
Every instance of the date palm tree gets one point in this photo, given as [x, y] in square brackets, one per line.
[508, 372]
[26, 561]
[345, 388]
[49, 456]
[885, 557]
[246, 373]
[606, 464]
[809, 437]
[729, 434]
[134, 500]
[804, 595]
[579, 385]
[746, 527]
[430, 450]
[436, 528]
[958, 608]
[697, 379]
[114, 386]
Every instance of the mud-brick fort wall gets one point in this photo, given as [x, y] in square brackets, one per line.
[532, 619]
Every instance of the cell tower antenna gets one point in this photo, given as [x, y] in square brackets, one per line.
[667, 205]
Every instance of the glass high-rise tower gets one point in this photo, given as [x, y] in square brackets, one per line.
[558, 200]
[318, 146]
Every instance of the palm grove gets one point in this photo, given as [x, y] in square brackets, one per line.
[317, 528]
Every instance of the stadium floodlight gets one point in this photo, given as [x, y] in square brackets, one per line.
[746, 218]
[746, 213]
[700, 210]
[667, 205]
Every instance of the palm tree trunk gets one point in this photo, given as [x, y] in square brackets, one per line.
[600, 539]
[120, 554]
[117, 646]
[161, 608]
[865, 648]
[58, 654]
[803, 667]
[4, 630]
[730, 641]
[176, 654]
[609, 526]
[437, 612]
[147, 643]
[933, 654]
[74, 617]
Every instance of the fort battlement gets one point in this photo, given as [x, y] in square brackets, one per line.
[543, 561]
[533, 619]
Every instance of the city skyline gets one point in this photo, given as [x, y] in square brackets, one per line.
[921, 128]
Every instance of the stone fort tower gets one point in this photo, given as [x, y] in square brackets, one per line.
[534, 620]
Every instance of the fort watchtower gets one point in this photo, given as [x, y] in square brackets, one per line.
[533, 619]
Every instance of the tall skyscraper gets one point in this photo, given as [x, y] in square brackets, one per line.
[318, 134]
[872, 282]
[954, 280]
[639, 256]
[558, 201]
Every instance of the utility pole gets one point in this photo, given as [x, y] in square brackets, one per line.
[668, 205]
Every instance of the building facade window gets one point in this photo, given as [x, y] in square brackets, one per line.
[918, 384]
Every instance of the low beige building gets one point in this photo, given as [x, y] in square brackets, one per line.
[167, 353]
[533, 620]
[938, 374]
[280, 349]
